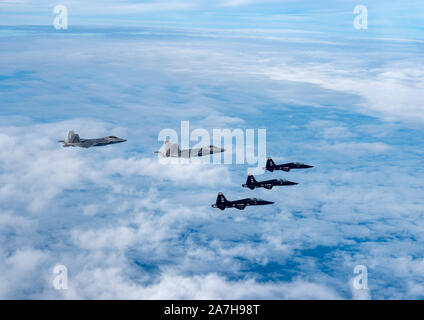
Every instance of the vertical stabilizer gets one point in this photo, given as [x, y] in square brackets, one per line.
[72, 137]
[270, 165]
[221, 200]
[250, 180]
[169, 149]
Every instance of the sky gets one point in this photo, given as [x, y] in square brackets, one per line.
[126, 226]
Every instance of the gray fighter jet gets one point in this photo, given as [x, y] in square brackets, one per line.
[173, 150]
[271, 166]
[222, 203]
[73, 140]
[251, 183]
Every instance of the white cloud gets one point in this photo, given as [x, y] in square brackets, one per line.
[111, 284]
[394, 91]
[18, 270]
[176, 170]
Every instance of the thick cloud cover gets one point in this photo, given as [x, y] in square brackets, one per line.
[127, 226]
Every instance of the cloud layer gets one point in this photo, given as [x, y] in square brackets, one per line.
[126, 226]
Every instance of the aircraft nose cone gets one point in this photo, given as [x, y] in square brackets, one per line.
[288, 183]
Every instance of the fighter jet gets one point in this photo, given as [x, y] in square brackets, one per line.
[222, 203]
[271, 166]
[251, 183]
[173, 150]
[73, 140]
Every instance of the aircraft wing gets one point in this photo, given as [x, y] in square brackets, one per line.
[287, 164]
[205, 151]
[241, 204]
[195, 152]
[185, 154]
[88, 143]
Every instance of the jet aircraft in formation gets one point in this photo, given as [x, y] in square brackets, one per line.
[222, 203]
[251, 183]
[74, 140]
[173, 150]
[271, 166]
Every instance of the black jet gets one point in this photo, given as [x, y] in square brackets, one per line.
[222, 203]
[251, 183]
[271, 166]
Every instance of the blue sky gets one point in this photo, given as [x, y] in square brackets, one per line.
[395, 18]
[348, 102]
